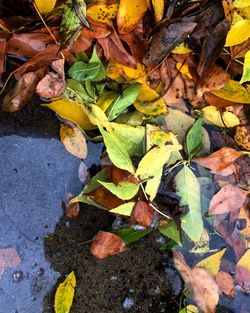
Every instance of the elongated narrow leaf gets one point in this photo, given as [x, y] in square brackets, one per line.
[101, 73]
[117, 153]
[123, 190]
[65, 294]
[194, 138]
[124, 209]
[188, 188]
[84, 71]
[123, 101]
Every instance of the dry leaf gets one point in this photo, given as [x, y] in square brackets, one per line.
[8, 258]
[106, 244]
[74, 141]
[71, 210]
[225, 282]
[102, 12]
[143, 213]
[45, 6]
[230, 198]
[212, 263]
[242, 275]
[2, 53]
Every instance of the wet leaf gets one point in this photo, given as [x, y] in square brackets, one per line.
[220, 160]
[124, 209]
[212, 263]
[225, 119]
[238, 33]
[45, 6]
[233, 91]
[123, 101]
[230, 198]
[130, 13]
[194, 138]
[200, 282]
[124, 190]
[102, 12]
[188, 188]
[225, 282]
[130, 235]
[65, 294]
[246, 69]
[158, 6]
[74, 141]
[106, 244]
[84, 71]
[143, 213]
[116, 151]
[8, 258]
[171, 231]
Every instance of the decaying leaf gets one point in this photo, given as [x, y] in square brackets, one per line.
[8, 258]
[225, 282]
[242, 275]
[65, 294]
[71, 210]
[225, 119]
[74, 141]
[143, 213]
[106, 244]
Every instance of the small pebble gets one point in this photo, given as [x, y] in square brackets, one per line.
[113, 278]
[160, 240]
[67, 224]
[128, 303]
[17, 276]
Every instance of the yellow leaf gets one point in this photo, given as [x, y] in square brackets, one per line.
[212, 263]
[245, 261]
[65, 294]
[189, 309]
[246, 69]
[181, 49]
[154, 108]
[184, 69]
[97, 116]
[233, 91]
[45, 6]
[102, 13]
[226, 119]
[238, 33]
[241, 3]
[74, 141]
[106, 99]
[124, 209]
[130, 13]
[71, 111]
[158, 6]
[117, 70]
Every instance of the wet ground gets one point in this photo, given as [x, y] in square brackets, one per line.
[36, 172]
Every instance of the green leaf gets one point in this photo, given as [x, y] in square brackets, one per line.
[130, 235]
[170, 230]
[96, 115]
[131, 118]
[65, 294]
[169, 245]
[102, 73]
[92, 90]
[194, 138]
[246, 68]
[84, 71]
[132, 138]
[124, 209]
[188, 188]
[76, 92]
[123, 101]
[116, 151]
[124, 190]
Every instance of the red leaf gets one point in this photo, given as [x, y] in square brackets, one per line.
[2, 53]
[106, 244]
[8, 258]
[225, 283]
[230, 198]
[220, 160]
[143, 214]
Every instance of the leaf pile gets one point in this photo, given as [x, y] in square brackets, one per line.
[165, 85]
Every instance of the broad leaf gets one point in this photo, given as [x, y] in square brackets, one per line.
[238, 33]
[65, 294]
[158, 6]
[75, 91]
[246, 69]
[116, 151]
[123, 101]
[212, 263]
[84, 71]
[194, 138]
[130, 235]
[102, 12]
[124, 190]
[153, 184]
[45, 6]
[95, 59]
[214, 116]
[170, 230]
[188, 188]
[124, 209]
[190, 309]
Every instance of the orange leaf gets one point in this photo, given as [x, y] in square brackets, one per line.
[105, 198]
[106, 244]
[143, 214]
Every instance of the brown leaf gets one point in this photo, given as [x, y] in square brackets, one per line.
[242, 274]
[228, 7]
[200, 283]
[217, 102]
[105, 244]
[228, 199]
[53, 84]
[71, 210]
[220, 160]
[83, 172]
[21, 94]
[225, 283]
[105, 198]
[8, 258]
[41, 60]
[2, 54]
[118, 176]
[143, 213]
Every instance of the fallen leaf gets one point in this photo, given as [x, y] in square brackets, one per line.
[228, 199]
[194, 138]
[143, 213]
[129, 14]
[102, 12]
[242, 138]
[238, 33]
[8, 258]
[102, 198]
[130, 235]
[189, 309]
[45, 6]
[71, 210]
[171, 231]
[106, 244]
[124, 209]
[74, 141]
[242, 275]
[225, 282]
[2, 54]
[225, 119]
[228, 7]
[158, 6]
[246, 69]
[83, 172]
[219, 160]
[241, 3]
[124, 190]
[212, 263]
[65, 294]
[200, 282]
